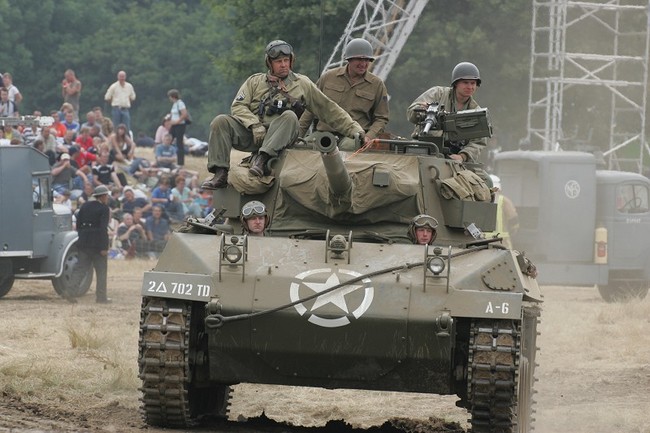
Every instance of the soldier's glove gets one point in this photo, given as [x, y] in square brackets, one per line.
[359, 138]
[259, 131]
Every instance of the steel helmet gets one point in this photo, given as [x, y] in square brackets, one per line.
[420, 221]
[251, 209]
[277, 48]
[465, 71]
[359, 49]
[496, 181]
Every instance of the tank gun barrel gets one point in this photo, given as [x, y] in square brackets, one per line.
[337, 175]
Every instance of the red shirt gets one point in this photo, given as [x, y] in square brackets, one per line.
[84, 158]
[85, 142]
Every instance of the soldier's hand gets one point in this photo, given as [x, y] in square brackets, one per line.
[259, 131]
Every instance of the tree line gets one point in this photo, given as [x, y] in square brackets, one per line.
[207, 48]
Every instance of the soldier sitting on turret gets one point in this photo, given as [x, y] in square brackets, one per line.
[422, 229]
[264, 116]
[254, 218]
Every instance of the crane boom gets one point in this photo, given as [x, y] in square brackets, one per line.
[386, 25]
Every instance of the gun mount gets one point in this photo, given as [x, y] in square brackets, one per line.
[448, 129]
[337, 175]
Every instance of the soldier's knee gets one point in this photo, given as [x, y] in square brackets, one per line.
[219, 122]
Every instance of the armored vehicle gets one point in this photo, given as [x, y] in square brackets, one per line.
[582, 226]
[37, 240]
[337, 296]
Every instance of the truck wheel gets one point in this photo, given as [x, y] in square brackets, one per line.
[621, 291]
[63, 284]
[6, 281]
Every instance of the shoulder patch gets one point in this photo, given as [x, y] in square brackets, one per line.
[240, 97]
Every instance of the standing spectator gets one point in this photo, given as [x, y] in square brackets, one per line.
[7, 106]
[105, 122]
[14, 94]
[120, 95]
[157, 231]
[180, 118]
[163, 129]
[71, 90]
[92, 226]
[166, 154]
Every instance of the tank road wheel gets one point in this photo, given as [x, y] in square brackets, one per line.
[501, 375]
[169, 338]
[63, 284]
[624, 290]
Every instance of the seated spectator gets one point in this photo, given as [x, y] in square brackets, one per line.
[105, 122]
[68, 140]
[184, 196]
[104, 173]
[83, 159]
[3, 141]
[143, 172]
[163, 129]
[64, 199]
[157, 231]
[64, 173]
[162, 196]
[65, 107]
[122, 146]
[49, 143]
[130, 202]
[70, 124]
[132, 237]
[91, 122]
[85, 141]
[7, 107]
[166, 153]
[87, 194]
[58, 127]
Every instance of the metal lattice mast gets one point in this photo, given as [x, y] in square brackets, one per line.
[386, 25]
[586, 51]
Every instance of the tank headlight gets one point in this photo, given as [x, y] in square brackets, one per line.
[436, 265]
[232, 253]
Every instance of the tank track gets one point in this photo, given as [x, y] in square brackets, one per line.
[501, 374]
[164, 362]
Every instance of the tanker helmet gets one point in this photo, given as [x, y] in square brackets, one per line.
[465, 71]
[359, 49]
[251, 209]
[420, 221]
[278, 48]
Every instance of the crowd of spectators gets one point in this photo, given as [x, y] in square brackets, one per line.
[148, 195]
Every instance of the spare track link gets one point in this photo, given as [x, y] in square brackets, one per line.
[493, 374]
[164, 363]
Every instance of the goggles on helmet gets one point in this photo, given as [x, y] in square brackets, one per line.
[424, 221]
[255, 208]
[277, 50]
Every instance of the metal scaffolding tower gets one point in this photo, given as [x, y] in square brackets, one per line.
[588, 78]
[386, 25]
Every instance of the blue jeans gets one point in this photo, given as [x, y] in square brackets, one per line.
[121, 115]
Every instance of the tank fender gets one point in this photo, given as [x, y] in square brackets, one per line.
[59, 247]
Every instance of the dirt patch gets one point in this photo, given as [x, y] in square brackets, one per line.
[73, 368]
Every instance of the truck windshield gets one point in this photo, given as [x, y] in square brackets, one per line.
[41, 192]
[632, 198]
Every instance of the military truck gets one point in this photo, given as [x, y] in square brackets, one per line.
[337, 296]
[37, 240]
[582, 226]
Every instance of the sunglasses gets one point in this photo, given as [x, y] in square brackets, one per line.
[426, 221]
[278, 50]
[258, 209]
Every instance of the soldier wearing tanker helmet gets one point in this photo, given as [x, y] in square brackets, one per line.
[264, 116]
[254, 218]
[465, 79]
[422, 229]
[357, 90]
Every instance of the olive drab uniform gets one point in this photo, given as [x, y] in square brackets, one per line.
[366, 101]
[444, 96]
[276, 104]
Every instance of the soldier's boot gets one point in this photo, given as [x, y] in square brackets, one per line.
[219, 180]
[259, 164]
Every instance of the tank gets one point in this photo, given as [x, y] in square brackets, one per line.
[335, 295]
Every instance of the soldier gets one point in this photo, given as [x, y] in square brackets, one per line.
[92, 226]
[422, 230]
[254, 219]
[359, 92]
[465, 78]
[507, 222]
[264, 116]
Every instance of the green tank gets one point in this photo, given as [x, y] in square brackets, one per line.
[336, 295]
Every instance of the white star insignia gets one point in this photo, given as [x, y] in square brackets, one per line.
[337, 297]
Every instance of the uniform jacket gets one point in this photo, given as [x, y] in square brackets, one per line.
[445, 96]
[256, 88]
[366, 101]
[92, 226]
